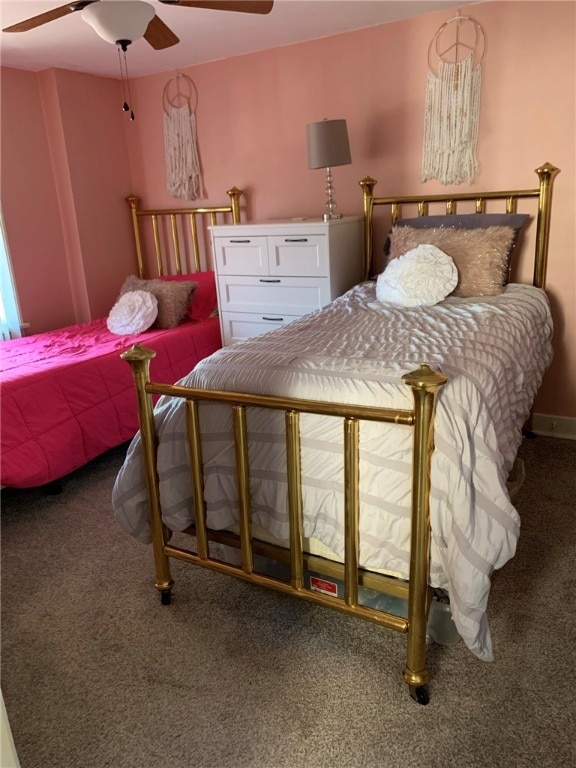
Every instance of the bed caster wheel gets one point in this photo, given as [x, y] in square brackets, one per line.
[166, 597]
[420, 694]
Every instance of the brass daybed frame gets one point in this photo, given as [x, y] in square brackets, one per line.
[424, 383]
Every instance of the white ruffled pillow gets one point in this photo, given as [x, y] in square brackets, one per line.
[134, 312]
[422, 276]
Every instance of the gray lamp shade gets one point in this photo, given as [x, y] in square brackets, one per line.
[328, 144]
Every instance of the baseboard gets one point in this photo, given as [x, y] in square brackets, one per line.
[554, 426]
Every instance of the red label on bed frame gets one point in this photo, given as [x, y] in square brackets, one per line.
[321, 585]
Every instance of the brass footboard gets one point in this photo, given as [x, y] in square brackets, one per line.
[424, 382]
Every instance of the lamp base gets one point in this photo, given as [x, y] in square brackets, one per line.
[330, 212]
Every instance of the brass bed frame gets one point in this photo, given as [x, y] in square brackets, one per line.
[178, 232]
[543, 193]
[424, 383]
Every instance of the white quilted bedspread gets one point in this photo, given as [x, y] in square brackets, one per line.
[494, 351]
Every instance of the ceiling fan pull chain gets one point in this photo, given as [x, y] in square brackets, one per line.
[128, 87]
[122, 45]
[125, 106]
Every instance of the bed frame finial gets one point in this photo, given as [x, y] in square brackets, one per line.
[546, 174]
[368, 184]
[234, 194]
[134, 203]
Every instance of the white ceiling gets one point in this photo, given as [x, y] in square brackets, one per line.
[205, 35]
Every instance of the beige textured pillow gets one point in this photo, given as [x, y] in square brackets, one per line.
[173, 298]
[481, 255]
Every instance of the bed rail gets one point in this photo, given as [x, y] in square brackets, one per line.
[185, 227]
[424, 383]
[543, 193]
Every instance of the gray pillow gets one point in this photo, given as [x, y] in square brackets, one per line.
[467, 221]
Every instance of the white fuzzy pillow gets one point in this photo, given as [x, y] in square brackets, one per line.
[422, 276]
[134, 312]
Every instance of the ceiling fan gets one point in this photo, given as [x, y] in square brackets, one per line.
[124, 21]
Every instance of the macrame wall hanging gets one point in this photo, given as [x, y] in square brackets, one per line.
[452, 111]
[184, 177]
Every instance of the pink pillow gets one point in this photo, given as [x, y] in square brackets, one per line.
[204, 300]
[480, 255]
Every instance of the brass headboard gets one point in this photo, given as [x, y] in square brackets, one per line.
[546, 174]
[184, 229]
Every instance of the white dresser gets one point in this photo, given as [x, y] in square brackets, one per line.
[271, 273]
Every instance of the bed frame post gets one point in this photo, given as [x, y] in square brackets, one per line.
[424, 383]
[139, 358]
[234, 193]
[546, 173]
[368, 184]
[133, 202]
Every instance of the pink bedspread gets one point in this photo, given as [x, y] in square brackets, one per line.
[67, 397]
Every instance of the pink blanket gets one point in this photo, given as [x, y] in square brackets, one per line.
[67, 397]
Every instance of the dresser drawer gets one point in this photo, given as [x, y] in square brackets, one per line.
[241, 255]
[272, 295]
[237, 326]
[303, 256]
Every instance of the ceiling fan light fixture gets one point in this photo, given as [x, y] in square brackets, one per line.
[119, 20]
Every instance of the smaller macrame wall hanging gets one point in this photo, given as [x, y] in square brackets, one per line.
[452, 112]
[184, 177]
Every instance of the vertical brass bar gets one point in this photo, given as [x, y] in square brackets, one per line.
[368, 185]
[511, 204]
[157, 245]
[234, 194]
[213, 218]
[351, 510]
[450, 207]
[424, 383]
[395, 212]
[292, 421]
[139, 359]
[133, 201]
[195, 450]
[422, 208]
[480, 205]
[546, 173]
[176, 243]
[195, 246]
[243, 477]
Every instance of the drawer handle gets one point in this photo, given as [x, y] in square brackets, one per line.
[240, 241]
[263, 280]
[274, 319]
[295, 239]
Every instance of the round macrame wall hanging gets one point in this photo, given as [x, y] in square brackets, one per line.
[452, 112]
[184, 177]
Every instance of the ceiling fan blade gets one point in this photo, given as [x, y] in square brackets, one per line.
[44, 18]
[159, 35]
[241, 6]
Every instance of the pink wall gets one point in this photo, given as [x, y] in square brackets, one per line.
[28, 195]
[65, 177]
[97, 159]
[252, 114]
